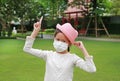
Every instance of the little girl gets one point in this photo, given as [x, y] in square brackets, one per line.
[60, 63]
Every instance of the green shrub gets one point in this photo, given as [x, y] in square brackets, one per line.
[49, 31]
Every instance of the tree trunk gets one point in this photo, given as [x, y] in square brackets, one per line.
[22, 27]
[2, 33]
[3, 24]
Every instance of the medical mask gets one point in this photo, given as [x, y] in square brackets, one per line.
[60, 46]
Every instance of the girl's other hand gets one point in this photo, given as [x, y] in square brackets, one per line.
[79, 44]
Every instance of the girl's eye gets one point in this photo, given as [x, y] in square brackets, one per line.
[63, 41]
[58, 39]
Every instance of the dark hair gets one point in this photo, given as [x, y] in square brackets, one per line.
[58, 31]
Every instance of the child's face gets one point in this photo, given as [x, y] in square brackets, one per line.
[61, 37]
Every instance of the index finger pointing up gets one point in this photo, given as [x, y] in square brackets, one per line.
[41, 19]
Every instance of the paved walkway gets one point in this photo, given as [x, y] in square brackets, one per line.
[87, 38]
[100, 39]
[81, 37]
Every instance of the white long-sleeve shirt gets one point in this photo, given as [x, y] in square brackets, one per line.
[59, 67]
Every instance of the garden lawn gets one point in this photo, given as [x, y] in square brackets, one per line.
[16, 65]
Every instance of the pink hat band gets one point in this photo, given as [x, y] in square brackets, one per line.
[68, 31]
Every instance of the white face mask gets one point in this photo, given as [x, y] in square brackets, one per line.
[60, 46]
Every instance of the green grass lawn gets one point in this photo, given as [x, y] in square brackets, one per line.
[16, 65]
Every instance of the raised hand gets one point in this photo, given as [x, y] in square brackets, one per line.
[37, 25]
[81, 46]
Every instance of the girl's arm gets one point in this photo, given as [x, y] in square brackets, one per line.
[81, 46]
[87, 64]
[30, 40]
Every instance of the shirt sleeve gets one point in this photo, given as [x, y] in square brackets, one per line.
[87, 64]
[36, 52]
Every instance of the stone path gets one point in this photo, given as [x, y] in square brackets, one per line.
[100, 39]
[87, 38]
[81, 37]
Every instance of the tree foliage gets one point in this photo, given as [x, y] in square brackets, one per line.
[98, 7]
[115, 10]
[53, 8]
[6, 12]
[27, 10]
[21, 10]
